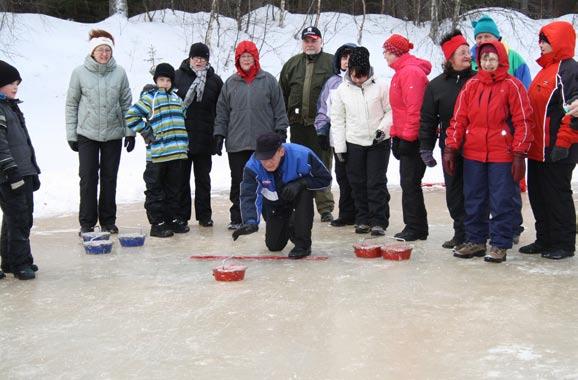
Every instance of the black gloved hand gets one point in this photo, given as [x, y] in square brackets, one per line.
[245, 229]
[282, 133]
[427, 158]
[129, 143]
[292, 189]
[15, 180]
[323, 141]
[148, 135]
[35, 182]
[449, 157]
[73, 145]
[380, 137]
[341, 157]
[395, 147]
[218, 145]
[558, 153]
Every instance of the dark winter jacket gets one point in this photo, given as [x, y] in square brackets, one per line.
[16, 150]
[438, 106]
[200, 116]
[304, 74]
[247, 110]
[298, 162]
[492, 117]
[555, 83]
[406, 95]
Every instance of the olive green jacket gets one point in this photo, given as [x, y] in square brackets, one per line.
[304, 75]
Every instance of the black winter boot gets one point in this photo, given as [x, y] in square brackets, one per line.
[161, 230]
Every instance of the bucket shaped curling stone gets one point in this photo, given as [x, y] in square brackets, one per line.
[226, 272]
[134, 239]
[97, 235]
[97, 247]
[396, 251]
[367, 250]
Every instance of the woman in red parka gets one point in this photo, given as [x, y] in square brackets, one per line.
[553, 155]
[492, 123]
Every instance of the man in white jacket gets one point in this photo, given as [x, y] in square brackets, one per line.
[360, 123]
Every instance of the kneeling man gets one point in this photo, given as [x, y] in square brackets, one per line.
[278, 181]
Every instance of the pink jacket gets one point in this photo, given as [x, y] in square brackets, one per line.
[406, 95]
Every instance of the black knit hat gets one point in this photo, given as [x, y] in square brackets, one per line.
[164, 70]
[8, 74]
[359, 61]
[267, 145]
[199, 50]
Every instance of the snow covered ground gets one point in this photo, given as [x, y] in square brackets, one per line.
[46, 50]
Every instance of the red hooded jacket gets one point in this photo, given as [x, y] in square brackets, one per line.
[553, 85]
[492, 116]
[251, 48]
[406, 95]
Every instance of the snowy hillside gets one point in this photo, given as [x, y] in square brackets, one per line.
[46, 50]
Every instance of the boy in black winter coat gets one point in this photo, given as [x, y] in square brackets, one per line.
[18, 180]
[199, 87]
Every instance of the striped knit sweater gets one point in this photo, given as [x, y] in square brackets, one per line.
[162, 112]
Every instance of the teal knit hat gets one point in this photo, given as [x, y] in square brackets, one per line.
[486, 25]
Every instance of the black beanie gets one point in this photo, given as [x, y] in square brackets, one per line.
[199, 50]
[164, 70]
[8, 74]
[359, 61]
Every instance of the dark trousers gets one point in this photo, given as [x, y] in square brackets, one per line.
[489, 189]
[98, 158]
[346, 202]
[455, 199]
[550, 193]
[306, 135]
[17, 209]
[518, 219]
[411, 171]
[164, 186]
[289, 221]
[201, 165]
[237, 161]
[366, 170]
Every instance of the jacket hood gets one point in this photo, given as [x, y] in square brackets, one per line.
[410, 60]
[503, 65]
[96, 67]
[247, 47]
[338, 54]
[562, 38]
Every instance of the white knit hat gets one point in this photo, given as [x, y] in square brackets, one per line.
[97, 41]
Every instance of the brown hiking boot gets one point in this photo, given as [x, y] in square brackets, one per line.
[496, 255]
[469, 250]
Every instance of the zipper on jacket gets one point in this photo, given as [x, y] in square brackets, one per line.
[366, 112]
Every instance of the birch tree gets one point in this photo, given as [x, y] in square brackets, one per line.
[118, 7]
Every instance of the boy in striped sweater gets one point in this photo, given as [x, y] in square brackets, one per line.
[158, 116]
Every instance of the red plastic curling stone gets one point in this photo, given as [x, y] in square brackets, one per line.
[229, 273]
[396, 251]
[367, 250]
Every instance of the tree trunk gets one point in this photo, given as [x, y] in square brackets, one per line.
[248, 16]
[212, 17]
[382, 10]
[238, 15]
[456, 15]
[317, 13]
[360, 31]
[434, 30]
[282, 14]
[118, 6]
[524, 6]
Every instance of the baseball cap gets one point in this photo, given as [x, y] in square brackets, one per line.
[267, 145]
[311, 31]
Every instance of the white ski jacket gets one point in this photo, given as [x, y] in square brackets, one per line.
[358, 112]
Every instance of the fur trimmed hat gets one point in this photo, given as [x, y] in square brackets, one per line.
[164, 70]
[8, 74]
[199, 49]
[397, 44]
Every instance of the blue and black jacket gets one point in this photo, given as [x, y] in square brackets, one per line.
[298, 162]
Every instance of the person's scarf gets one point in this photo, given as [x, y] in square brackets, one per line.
[195, 92]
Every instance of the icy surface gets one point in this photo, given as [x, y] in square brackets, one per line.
[160, 315]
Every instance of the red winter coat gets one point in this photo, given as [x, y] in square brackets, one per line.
[553, 85]
[406, 95]
[492, 116]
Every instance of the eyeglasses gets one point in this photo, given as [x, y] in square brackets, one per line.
[103, 50]
[199, 59]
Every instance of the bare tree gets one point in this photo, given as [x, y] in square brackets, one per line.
[317, 13]
[456, 14]
[212, 18]
[238, 15]
[118, 7]
[435, 24]
[248, 16]
[282, 14]
[360, 29]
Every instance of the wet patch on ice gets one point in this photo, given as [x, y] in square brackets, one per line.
[550, 270]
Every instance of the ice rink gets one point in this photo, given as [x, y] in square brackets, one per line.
[153, 313]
